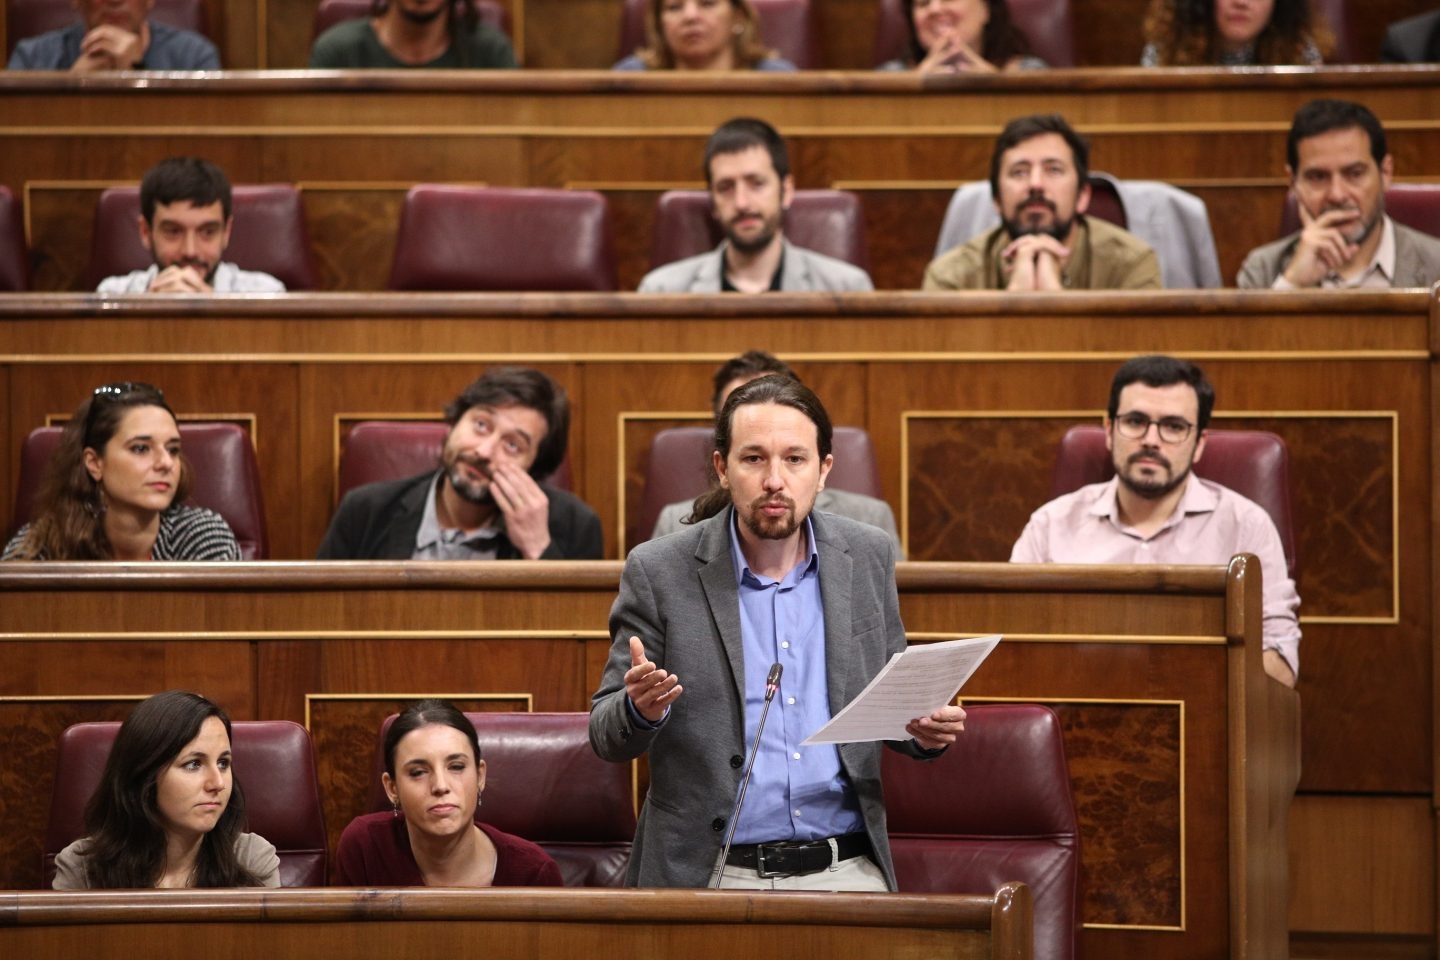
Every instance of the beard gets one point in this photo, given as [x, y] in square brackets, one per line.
[1020, 226]
[205, 267]
[471, 491]
[422, 17]
[1151, 488]
[756, 243]
[1363, 229]
[772, 528]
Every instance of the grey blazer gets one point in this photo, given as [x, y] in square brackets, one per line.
[803, 270]
[856, 506]
[1417, 260]
[678, 594]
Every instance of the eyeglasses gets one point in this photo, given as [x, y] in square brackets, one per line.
[1135, 426]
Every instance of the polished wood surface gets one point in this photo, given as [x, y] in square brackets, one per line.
[354, 142]
[1162, 660]
[535, 923]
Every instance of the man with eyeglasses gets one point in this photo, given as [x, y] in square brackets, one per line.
[1154, 510]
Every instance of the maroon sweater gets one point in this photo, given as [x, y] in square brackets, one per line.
[374, 851]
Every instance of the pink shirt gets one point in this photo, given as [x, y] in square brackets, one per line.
[1210, 525]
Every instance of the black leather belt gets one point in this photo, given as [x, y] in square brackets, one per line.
[793, 858]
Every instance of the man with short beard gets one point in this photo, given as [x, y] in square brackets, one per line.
[1039, 180]
[1339, 169]
[699, 620]
[185, 223]
[1155, 510]
[413, 33]
[487, 500]
[747, 169]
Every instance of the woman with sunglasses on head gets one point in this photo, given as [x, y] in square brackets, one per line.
[116, 488]
[168, 811]
[434, 777]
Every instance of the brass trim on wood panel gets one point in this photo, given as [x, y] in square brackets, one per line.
[624, 417]
[140, 636]
[526, 698]
[1390, 619]
[1179, 705]
[1206, 639]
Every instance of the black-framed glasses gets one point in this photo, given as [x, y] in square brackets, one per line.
[1134, 426]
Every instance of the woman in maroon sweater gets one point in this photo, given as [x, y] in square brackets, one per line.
[434, 777]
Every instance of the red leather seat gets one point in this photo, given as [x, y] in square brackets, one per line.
[995, 807]
[227, 478]
[1047, 24]
[831, 222]
[376, 450]
[30, 18]
[678, 468]
[274, 765]
[1253, 463]
[788, 26]
[1337, 18]
[503, 238]
[14, 255]
[331, 12]
[544, 783]
[269, 235]
[1416, 205]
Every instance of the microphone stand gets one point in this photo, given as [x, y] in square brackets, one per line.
[772, 684]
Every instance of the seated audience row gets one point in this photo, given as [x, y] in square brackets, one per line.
[937, 36]
[168, 811]
[1049, 223]
[117, 485]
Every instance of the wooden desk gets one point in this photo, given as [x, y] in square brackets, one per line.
[356, 141]
[538, 924]
[1155, 672]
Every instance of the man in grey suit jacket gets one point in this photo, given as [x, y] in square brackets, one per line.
[735, 373]
[1339, 169]
[747, 170]
[764, 580]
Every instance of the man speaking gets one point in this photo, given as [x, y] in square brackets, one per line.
[701, 617]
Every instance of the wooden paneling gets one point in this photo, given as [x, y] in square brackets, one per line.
[531, 924]
[1156, 672]
[1362, 864]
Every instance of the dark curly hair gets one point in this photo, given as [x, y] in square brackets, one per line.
[1183, 33]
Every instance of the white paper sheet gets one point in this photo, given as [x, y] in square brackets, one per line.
[916, 682]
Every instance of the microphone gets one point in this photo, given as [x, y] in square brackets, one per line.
[772, 686]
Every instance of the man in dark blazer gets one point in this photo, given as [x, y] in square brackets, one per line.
[484, 502]
[703, 614]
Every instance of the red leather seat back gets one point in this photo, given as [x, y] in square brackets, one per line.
[678, 468]
[1253, 463]
[376, 450]
[226, 478]
[787, 26]
[1416, 205]
[274, 765]
[544, 783]
[14, 255]
[30, 18]
[269, 235]
[1337, 18]
[1047, 24]
[995, 807]
[503, 238]
[831, 222]
[331, 12]
[1105, 203]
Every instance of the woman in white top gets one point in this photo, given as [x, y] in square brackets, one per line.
[168, 812]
